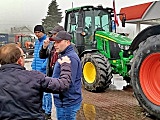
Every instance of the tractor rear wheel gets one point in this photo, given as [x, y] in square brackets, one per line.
[97, 72]
[145, 75]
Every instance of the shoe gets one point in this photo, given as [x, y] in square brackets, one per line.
[48, 116]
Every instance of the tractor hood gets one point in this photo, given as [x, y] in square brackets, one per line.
[120, 39]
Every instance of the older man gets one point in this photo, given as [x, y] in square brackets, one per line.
[22, 90]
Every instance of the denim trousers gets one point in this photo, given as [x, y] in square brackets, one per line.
[47, 103]
[67, 113]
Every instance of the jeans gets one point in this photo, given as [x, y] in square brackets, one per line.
[47, 103]
[67, 113]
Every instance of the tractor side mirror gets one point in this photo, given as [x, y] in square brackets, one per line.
[73, 19]
[123, 21]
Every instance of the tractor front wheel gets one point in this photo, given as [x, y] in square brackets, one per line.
[96, 72]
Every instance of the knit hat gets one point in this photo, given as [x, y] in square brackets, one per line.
[39, 28]
[56, 29]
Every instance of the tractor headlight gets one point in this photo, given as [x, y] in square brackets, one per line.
[124, 47]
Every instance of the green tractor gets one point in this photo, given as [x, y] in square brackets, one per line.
[104, 53]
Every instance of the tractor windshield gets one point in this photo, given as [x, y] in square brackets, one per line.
[91, 19]
[97, 19]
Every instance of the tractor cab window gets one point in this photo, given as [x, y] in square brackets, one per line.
[71, 27]
[88, 27]
[95, 20]
[102, 21]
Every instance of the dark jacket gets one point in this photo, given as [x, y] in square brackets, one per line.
[48, 53]
[21, 91]
[38, 63]
[73, 95]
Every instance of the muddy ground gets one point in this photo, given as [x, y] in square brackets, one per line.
[116, 103]
[111, 105]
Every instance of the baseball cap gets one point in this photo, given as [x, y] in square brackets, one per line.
[39, 28]
[56, 29]
[62, 35]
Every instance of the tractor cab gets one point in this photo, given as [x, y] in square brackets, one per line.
[84, 22]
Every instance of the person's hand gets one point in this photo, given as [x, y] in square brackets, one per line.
[46, 43]
[64, 59]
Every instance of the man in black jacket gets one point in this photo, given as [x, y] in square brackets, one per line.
[22, 90]
[48, 51]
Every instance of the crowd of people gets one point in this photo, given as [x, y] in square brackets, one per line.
[56, 71]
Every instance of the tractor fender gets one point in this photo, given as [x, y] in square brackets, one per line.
[87, 51]
[143, 35]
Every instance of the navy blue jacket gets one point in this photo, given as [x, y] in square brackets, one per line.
[73, 95]
[38, 63]
[21, 91]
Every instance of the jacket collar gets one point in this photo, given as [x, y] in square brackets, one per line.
[9, 66]
[42, 38]
[67, 50]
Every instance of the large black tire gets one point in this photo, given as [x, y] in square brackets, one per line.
[97, 73]
[145, 75]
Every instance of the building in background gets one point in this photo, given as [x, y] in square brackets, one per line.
[142, 15]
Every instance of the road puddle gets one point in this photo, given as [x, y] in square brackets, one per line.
[89, 111]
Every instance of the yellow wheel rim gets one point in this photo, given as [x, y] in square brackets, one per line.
[89, 72]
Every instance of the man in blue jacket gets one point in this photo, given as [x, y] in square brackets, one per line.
[40, 65]
[21, 90]
[69, 102]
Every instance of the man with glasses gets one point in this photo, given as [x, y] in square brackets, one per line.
[22, 90]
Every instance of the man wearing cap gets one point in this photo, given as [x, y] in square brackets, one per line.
[40, 65]
[68, 102]
[48, 51]
[56, 29]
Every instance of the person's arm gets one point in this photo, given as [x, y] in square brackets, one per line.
[44, 65]
[43, 53]
[56, 85]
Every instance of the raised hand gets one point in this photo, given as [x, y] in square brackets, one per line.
[46, 43]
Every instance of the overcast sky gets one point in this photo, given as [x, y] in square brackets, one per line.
[30, 12]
